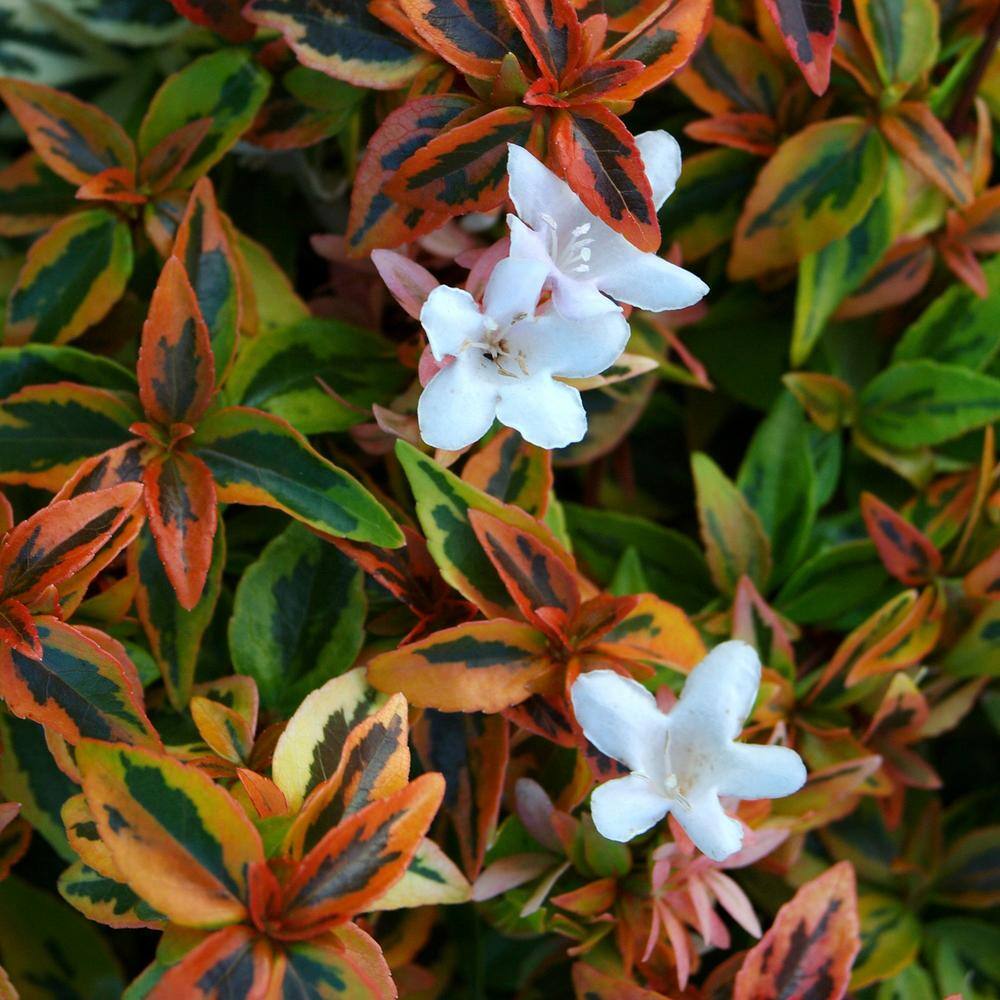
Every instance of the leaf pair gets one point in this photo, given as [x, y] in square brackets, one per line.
[77, 682]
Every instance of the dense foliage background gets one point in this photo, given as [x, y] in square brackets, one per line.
[805, 460]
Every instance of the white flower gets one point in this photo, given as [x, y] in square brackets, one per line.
[682, 761]
[587, 260]
[505, 357]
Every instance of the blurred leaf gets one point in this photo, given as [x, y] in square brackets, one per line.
[965, 956]
[890, 938]
[902, 36]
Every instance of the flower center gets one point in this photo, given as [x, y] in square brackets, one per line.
[571, 255]
[672, 787]
[493, 346]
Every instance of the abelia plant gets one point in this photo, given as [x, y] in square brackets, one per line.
[500, 499]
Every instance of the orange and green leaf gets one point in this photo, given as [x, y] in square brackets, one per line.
[810, 946]
[76, 688]
[235, 960]
[76, 140]
[32, 197]
[106, 900]
[809, 29]
[551, 30]
[908, 554]
[73, 275]
[181, 842]
[478, 667]
[513, 471]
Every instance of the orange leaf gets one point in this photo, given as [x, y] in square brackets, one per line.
[908, 554]
[811, 945]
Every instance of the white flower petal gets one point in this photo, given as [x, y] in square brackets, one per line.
[621, 718]
[578, 299]
[706, 823]
[513, 289]
[626, 807]
[718, 694]
[456, 408]
[546, 413]
[661, 156]
[552, 344]
[536, 193]
[450, 317]
[758, 772]
[652, 283]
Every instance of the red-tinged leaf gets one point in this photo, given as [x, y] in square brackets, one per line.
[811, 945]
[225, 731]
[920, 138]
[809, 29]
[602, 164]
[181, 842]
[60, 539]
[732, 72]
[32, 197]
[376, 220]
[477, 667]
[113, 184]
[346, 962]
[375, 764]
[472, 35]
[73, 275]
[513, 471]
[76, 688]
[267, 798]
[586, 86]
[471, 751]
[757, 623]
[828, 400]
[962, 262]
[6, 516]
[343, 40]
[982, 223]
[654, 631]
[755, 133]
[984, 580]
[908, 554]
[464, 169]
[236, 961]
[535, 577]
[170, 155]
[15, 838]
[551, 30]
[851, 53]
[17, 629]
[203, 247]
[592, 984]
[176, 370]
[181, 506]
[360, 859]
[547, 716]
[224, 17]
[663, 43]
[899, 277]
[75, 139]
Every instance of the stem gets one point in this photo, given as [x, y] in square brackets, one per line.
[959, 114]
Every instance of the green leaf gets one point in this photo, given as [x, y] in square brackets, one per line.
[298, 617]
[73, 275]
[917, 403]
[977, 651]
[277, 304]
[779, 481]
[831, 274]
[890, 937]
[260, 460]
[814, 190]
[174, 635]
[910, 983]
[32, 197]
[227, 86]
[29, 775]
[968, 875]
[902, 36]
[137, 23]
[965, 956]
[958, 327]
[845, 578]
[38, 364]
[284, 373]
[672, 564]
[49, 950]
[735, 541]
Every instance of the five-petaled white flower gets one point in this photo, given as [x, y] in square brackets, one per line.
[505, 355]
[682, 761]
[587, 261]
